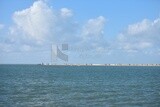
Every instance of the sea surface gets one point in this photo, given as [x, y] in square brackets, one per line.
[79, 86]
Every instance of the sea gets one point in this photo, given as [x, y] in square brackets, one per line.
[79, 86]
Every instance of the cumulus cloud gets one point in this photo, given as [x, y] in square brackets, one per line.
[91, 34]
[65, 13]
[94, 27]
[1, 26]
[140, 36]
[40, 25]
[4, 47]
[34, 23]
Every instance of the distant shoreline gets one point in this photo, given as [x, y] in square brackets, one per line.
[42, 64]
[100, 64]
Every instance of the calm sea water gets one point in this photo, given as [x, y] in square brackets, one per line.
[70, 86]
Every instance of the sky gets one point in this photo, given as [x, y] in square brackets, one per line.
[96, 31]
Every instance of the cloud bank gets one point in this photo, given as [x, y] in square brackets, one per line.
[140, 36]
[41, 25]
[1, 26]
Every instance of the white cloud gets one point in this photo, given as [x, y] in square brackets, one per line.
[26, 48]
[138, 27]
[94, 27]
[65, 13]
[4, 47]
[91, 34]
[140, 36]
[34, 23]
[41, 25]
[1, 26]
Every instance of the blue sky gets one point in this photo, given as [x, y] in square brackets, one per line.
[97, 31]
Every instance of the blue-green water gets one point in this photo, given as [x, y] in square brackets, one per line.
[70, 86]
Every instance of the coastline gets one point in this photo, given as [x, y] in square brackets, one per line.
[100, 64]
[48, 64]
